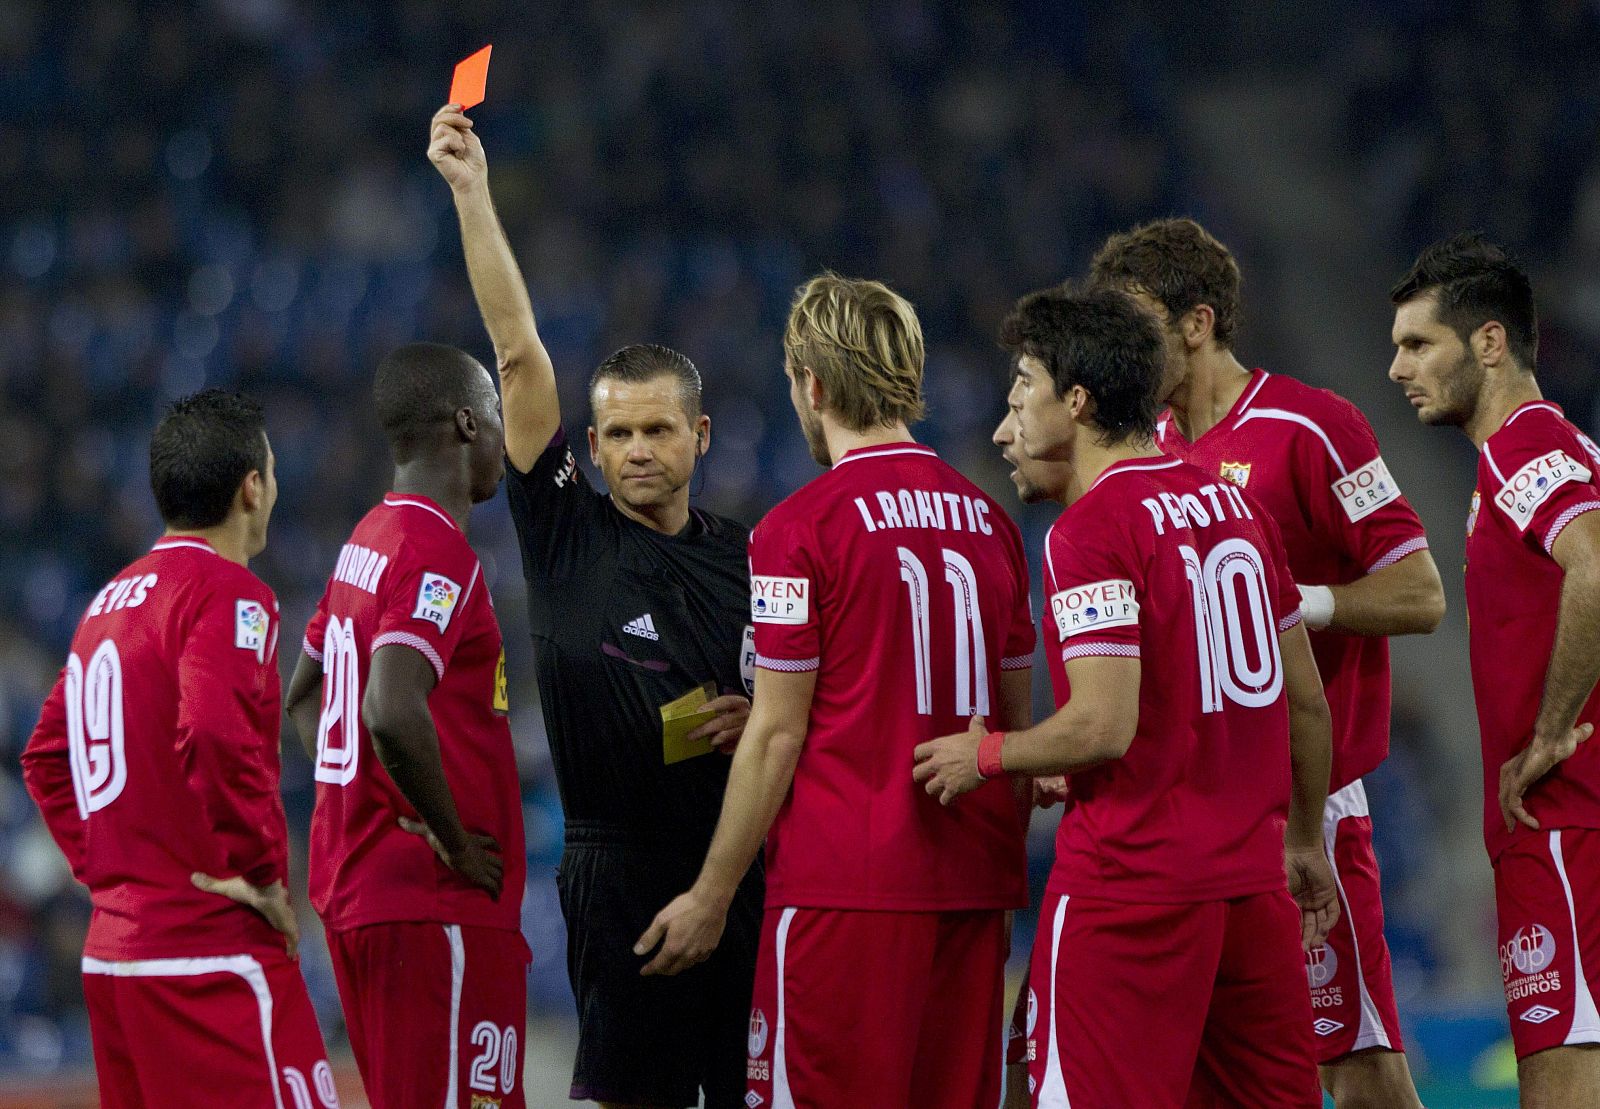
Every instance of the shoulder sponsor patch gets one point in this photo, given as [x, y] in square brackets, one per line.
[780, 600]
[250, 624]
[1095, 607]
[1362, 492]
[568, 470]
[437, 598]
[1521, 496]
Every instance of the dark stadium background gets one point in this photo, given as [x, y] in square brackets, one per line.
[235, 192]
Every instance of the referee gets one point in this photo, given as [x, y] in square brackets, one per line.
[635, 599]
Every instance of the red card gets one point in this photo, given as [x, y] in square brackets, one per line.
[472, 76]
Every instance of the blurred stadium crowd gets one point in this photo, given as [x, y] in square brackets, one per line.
[235, 192]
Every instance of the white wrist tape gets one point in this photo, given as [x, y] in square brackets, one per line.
[1316, 605]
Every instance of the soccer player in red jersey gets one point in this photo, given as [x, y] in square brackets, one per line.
[1195, 737]
[1358, 552]
[417, 853]
[890, 600]
[1466, 332]
[155, 763]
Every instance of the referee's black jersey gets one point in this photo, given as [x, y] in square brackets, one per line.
[624, 620]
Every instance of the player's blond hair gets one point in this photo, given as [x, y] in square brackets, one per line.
[862, 341]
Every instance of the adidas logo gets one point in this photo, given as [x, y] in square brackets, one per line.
[642, 626]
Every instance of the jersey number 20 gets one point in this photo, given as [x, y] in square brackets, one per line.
[338, 729]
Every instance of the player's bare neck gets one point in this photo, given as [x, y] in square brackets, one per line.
[227, 538]
[1091, 459]
[1503, 393]
[842, 440]
[445, 483]
[1215, 383]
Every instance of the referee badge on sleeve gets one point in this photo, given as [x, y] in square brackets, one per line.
[436, 600]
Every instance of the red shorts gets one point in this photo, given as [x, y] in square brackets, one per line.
[236, 1030]
[857, 1007]
[1547, 891]
[1165, 1006]
[435, 1012]
[1352, 987]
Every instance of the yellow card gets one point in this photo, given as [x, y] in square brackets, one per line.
[679, 718]
[675, 744]
[690, 701]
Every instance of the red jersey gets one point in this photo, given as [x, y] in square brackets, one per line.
[156, 756]
[1536, 475]
[906, 588]
[1161, 562]
[1310, 459]
[408, 577]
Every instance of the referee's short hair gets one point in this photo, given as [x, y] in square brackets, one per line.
[862, 341]
[641, 362]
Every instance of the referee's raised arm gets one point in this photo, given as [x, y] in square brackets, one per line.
[528, 396]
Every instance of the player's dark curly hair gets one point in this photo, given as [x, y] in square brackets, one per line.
[1177, 262]
[1476, 281]
[201, 452]
[1098, 338]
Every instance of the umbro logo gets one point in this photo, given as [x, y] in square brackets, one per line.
[1326, 1026]
[1539, 1014]
[642, 626]
[753, 1099]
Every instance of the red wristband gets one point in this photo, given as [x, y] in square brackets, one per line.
[989, 756]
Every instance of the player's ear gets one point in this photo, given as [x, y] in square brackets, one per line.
[1489, 343]
[814, 391]
[252, 492]
[702, 436]
[1197, 325]
[466, 425]
[594, 448]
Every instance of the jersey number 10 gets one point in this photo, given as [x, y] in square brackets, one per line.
[971, 663]
[1232, 622]
[338, 729]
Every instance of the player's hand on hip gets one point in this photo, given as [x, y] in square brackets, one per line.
[947, 767]
[1312, 885]
[1527, 766]
[455, 151]
[724, 730]
[688, 930]
[271, 901]
[478, 861]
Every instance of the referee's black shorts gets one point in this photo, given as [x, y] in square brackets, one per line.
[652, 1041]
